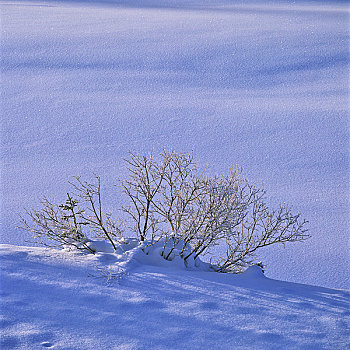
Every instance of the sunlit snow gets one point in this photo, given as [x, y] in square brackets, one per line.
[263, 85]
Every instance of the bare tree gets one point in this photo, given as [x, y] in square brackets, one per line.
[72, 223]
[56, 225]
[99, 222]
[146, 177]
[173, 201]
[259, 228]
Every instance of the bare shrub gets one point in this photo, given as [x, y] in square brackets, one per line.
[75, 222]
[171, 200]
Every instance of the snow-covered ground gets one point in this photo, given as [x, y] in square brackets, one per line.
[64, 300]
[256, 84]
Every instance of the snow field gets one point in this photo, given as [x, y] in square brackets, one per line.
[68, 300]
[254, 84]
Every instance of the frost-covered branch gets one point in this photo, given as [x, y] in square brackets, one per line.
[181, 206]
[74, 222]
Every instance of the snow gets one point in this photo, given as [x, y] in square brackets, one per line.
[263, 85]
[70, 300]
[129, 251]
[101, 246]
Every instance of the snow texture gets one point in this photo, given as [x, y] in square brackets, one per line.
[258, 84]
[69, 300]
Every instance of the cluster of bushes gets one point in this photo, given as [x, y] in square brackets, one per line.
[171, 201]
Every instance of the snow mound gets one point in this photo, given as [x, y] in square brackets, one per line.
[100, 246]
[254, 271]
[130, 252]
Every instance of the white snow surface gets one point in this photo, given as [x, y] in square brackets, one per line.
[69, 300]
[258, 84]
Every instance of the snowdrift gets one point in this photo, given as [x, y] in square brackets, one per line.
[126, 299]
[129, 251]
